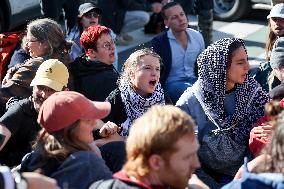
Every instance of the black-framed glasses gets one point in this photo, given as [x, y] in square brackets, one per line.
[108, 44]
[92, 14]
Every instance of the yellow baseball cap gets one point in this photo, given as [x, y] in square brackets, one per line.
[53, 74]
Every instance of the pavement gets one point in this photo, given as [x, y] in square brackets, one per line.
[253, 30]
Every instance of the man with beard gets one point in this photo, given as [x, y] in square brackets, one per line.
[18, 126]
[161, 152]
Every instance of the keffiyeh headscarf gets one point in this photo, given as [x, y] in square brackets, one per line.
[210, 91]
[136, 105]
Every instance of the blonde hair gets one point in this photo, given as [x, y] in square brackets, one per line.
[155, 133]
[132, 62]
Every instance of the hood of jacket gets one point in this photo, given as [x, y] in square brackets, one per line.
[82, 66]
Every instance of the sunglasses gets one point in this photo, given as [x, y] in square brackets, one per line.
[92, 14]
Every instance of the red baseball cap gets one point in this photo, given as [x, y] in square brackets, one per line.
[66, 107]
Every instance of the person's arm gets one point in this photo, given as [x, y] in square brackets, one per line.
[103, 130]
[106, 132]
[10, 122]
[183, 102]
[251, 165]
[31, 180]
[5, 135]
[6, 178]
[108, 129]
[36, 180]
[195, 183]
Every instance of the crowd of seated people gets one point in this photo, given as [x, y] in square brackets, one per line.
[178, 115]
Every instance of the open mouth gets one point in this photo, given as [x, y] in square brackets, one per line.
[153, 82]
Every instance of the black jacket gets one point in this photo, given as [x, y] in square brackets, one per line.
[77, 171]
[21, 120]
[118, 114]
[95, 80]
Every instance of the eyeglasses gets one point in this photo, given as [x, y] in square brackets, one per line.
[92, 14]
[107, 45]
[28, 40]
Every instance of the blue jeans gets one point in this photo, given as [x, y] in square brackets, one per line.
[134, 20]
[176, 88]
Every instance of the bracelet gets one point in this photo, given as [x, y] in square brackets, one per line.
[21, 182]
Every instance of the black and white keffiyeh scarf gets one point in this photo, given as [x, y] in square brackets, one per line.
[136, 105]
[210, 91]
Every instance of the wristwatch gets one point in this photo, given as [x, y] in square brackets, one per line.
[21, 182]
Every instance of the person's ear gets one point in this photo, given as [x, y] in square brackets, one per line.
[91, 53]
[131, 73]
[166, 23]
[155, 162]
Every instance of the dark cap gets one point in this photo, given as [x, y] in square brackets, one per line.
[86, 7]
[277, 92]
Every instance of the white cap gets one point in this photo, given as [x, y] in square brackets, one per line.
[277, 11]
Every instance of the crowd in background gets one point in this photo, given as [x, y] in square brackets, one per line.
[183, 113]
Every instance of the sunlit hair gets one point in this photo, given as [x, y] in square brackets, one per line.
[48, 31]
[60, 144]
[274, 159]
[90, 36]
[131, 63]
[155, 132]
[270, 41]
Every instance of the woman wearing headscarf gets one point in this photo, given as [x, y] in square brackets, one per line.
[225, 104]
[138, 89]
